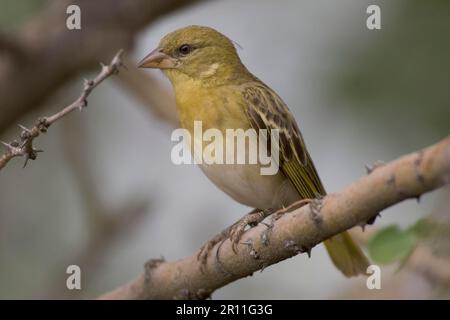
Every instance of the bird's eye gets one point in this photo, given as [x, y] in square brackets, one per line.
[184, 49]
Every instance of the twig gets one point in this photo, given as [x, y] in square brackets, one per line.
[295, 232]
[54, 56]
[25, 146]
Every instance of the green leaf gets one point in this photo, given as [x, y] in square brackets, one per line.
[391, 244]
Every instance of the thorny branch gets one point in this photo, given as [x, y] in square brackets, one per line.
[24, 145]
[43, 55]
[296, 231]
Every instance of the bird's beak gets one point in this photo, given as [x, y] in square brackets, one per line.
[157, 60]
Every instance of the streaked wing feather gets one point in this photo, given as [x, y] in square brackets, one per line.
[266, 110]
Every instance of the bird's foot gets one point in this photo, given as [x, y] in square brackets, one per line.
[249, 220]
[277, 215]
[233, 232]
[204, 251]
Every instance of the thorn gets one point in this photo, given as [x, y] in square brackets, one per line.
[24, 128]
[308, 252]
[31, 155]
[27, 156]
[377, 164]
[7, 145]
[25, 134]
[364, 224]
[83, 104]
[104, 67]
[372, 220]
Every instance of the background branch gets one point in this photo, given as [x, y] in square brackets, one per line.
[152, 93]
[10, 47]
[25, 146]
[54, 55]
[298, 231]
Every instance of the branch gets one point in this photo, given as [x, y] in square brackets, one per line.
[25, 146]
[295, 232]
[54, 55]
[11, 47]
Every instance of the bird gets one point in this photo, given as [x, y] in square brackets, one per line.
[212, 85]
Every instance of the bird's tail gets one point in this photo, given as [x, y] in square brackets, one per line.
[346, 255]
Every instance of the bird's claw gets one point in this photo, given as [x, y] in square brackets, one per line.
[234, 233]
[278, 214]
[251, 220]
[202, 255]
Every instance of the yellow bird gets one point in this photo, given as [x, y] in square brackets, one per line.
[213, 86]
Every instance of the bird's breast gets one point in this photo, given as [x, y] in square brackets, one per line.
[222, 109]
[245, 184]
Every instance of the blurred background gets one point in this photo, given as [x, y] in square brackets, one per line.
[105, 195]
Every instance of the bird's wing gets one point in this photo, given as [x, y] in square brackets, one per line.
[266, 110]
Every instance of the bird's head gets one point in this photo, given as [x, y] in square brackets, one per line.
[200, 53]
